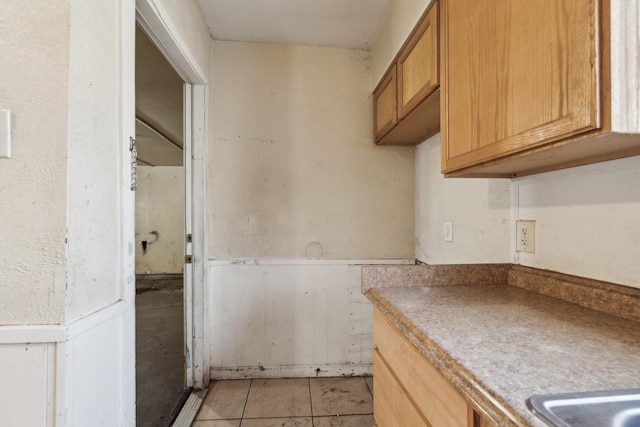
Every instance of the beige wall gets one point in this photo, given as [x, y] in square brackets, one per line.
[33, 196]
[293, 162]
[587, 220]
[160, 209]
[479, 209]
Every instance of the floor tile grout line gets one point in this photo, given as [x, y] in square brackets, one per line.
[246, 401]
[368, 386]
[311, 402]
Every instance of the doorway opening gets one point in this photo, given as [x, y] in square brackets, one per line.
[159, 229]
[156, 23]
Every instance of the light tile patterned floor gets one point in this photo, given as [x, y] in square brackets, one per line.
[289, 402]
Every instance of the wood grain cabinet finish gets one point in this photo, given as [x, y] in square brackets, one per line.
[406, 101]
[385, 104]
[527, 86]
[409, 391]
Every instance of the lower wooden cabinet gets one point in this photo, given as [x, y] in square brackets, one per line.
[409, 391]
[391, 405]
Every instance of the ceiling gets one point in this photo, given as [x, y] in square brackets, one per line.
[338, 23]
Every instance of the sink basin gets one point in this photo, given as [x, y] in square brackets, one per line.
[612, 408]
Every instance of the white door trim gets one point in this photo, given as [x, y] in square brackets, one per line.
[154, 20]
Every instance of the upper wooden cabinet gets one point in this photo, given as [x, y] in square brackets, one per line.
[406, 101]
[386, 105]
[527, 86]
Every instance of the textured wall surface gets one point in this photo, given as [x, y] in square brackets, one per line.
[294, 171]
[95, 145]
[587, 220]
[33, 194]
[479, 209]
[289, 319]
[160, 219]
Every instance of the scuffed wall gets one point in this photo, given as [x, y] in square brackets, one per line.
[33, 194]
[95, 143]
[160, 220]
[587, 220]
[294, 171]
[479, 209]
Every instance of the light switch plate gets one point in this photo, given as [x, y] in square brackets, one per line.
[5, 134]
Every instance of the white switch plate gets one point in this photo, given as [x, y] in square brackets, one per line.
[5, 134]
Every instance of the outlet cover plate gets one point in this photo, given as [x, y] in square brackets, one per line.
[526, 236]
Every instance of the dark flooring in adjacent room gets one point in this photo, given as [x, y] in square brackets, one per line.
[159, 348]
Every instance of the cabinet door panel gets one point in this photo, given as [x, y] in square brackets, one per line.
[517, 75]
[418, 64]
[433, 395]
[384, 105]
[392, 407]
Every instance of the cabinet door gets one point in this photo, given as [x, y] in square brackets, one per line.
[432, 394]
[392, 408]
[517, 75]
[385, 114]
[418, 64]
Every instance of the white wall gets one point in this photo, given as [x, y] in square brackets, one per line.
[295, 175]
[160, 209]
[289, 318]
[293, 162]
[587, 220]
[66, 306]
[34, 86]
[93, 212]
[190, 28]
[479, 209]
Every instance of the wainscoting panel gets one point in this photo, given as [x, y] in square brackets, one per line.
[289, 318]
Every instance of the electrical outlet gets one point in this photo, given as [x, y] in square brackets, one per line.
[526, 236]
[448, 231]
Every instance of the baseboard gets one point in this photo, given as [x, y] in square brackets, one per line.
[352, 370]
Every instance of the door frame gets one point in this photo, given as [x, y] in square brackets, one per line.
[155, 21]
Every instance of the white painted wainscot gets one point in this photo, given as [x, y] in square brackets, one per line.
[289, 318]
[55, 375]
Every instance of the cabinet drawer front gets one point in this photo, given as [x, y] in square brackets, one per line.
[391, 406]
[418, 64]
[438, 401]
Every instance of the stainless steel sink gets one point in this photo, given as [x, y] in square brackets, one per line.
[612, 408]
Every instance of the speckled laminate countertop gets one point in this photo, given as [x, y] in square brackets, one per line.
[500, 344]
